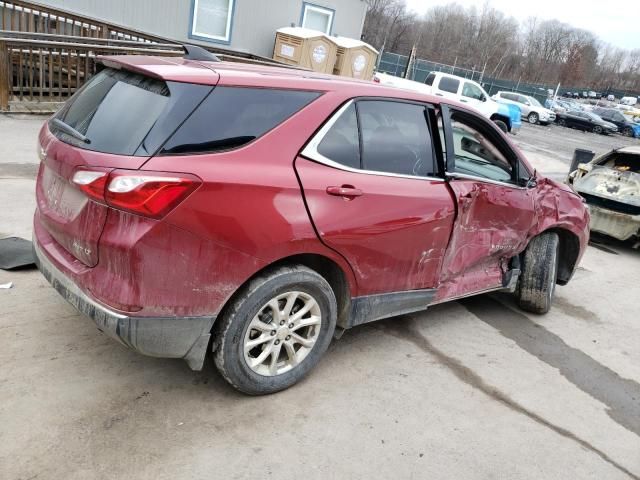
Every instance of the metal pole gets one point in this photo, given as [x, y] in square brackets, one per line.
[4, 77]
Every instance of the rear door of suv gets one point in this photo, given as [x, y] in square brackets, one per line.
[374, 193]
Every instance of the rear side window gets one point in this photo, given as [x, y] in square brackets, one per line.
[341, 143]
[448, 84]
[126, 113]
[234, 116]
[395, 138]
[430, 78]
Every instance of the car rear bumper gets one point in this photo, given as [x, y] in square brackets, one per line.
[615, 224]
[167, 337]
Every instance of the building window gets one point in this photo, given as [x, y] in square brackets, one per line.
[211, 20]
[317, 18]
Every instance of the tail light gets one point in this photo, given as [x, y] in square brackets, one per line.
[151, 194]
[376, 80]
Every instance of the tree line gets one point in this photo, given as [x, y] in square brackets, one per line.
[484, 38]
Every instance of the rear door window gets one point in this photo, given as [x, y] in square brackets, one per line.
[234, 116]
[126, 113]
[448, 84]
[341, 143]
[395, 138]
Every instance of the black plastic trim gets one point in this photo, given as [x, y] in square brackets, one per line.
[370, 308]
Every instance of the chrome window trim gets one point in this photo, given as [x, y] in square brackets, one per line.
[464, 176]
[310, 151]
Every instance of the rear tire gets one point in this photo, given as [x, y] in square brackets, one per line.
[562, 122]
[537, 282]
[260, 347]
[628, 132]
[501, 125]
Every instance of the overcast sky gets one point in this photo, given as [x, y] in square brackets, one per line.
[615, 22]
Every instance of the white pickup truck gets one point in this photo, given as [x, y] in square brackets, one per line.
[507, 117]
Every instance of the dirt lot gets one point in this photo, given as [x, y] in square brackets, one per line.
[471, 389]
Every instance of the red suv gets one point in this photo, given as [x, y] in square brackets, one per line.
[187, 205]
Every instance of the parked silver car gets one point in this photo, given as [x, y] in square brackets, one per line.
[532, 110]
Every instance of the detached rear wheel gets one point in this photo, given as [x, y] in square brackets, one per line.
[276, 330]
[537, 281]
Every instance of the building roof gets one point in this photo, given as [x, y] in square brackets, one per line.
[347, 42]
[301, 32]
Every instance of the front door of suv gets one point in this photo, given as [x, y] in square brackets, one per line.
[371, 187]
[495, 208]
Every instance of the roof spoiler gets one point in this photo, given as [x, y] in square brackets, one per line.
[193, 52]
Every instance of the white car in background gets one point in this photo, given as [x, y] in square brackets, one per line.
[532, 110]
[461, 89]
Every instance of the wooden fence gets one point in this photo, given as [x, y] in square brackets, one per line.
[46, 54]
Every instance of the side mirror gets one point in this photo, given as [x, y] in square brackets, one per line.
[483, 98]
[532, 182]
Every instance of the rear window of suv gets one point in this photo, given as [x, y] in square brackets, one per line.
[234, 116]
[126, 113]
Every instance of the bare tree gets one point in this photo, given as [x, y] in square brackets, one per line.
[484, 38]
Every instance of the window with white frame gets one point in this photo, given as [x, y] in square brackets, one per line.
[317, 18]
[212, 19]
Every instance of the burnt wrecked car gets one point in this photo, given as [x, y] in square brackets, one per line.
[610, 184]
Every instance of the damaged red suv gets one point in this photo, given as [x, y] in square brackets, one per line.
[188, 205]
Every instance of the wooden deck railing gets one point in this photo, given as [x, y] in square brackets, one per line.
[52, 70]
[33, 17]
[46, 53]
[38, 67]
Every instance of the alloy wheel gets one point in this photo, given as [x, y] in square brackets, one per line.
[282, 333]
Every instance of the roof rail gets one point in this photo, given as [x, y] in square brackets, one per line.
[193, 52]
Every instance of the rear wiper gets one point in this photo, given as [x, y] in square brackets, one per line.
[68, 129]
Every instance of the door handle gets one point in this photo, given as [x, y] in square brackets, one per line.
[347, 191]
[463, 100]
[439, 95]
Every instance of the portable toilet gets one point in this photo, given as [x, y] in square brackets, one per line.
[354, 58]
[306, 48]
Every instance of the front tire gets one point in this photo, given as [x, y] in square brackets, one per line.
[501, 125]
[533, 118]
[628, 132]
[597, 129]
[562, 122]
[275, 330]
[537, 282]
